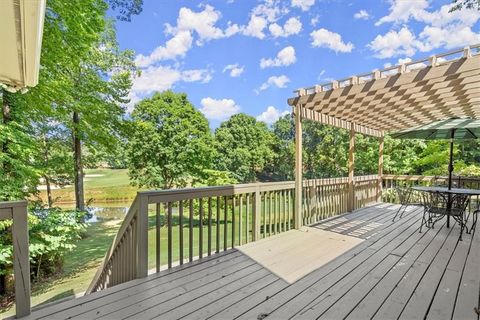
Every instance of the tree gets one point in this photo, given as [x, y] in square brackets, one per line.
[325, 150]
[85, 78]
[170, 143]
[244, 147]
[54, 159]
[468, 4]
[18, 177]
[283, 165]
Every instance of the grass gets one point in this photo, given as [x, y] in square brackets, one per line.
[106, 185]
[79, 267]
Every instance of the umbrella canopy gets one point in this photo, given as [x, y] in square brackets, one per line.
[454, 128]
[462, 128]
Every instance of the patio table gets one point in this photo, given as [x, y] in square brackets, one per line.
[452, 191]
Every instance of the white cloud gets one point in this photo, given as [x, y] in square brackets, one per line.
[362, 14]
[314, 21]
[449, 37]
[402, 10]
[218, 109]
[235, 69]
[271, 115]
[261, 16]
[331, 40]
[203, 23]
[396, 43]
[285, 57]
[255, 27]
[161, 78]
[176, 46]
[443, 29]
[292, 26]
[303, 4]
[197, 75]
[278, 81]
[155, 79]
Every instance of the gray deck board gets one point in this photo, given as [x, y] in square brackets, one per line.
[395, 273]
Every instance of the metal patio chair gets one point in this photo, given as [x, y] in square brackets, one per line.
[434, 208]
[406, 198]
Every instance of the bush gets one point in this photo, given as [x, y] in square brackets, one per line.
[53, 232]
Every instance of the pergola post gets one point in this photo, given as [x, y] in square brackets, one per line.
[380, 169]
[351, 166]
[298, 167]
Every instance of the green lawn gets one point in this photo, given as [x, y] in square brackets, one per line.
[101, 185]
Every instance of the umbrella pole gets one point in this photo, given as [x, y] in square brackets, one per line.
[450, 165]
[450, 173]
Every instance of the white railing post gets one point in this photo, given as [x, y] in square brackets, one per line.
[17, 211]
[142, 237]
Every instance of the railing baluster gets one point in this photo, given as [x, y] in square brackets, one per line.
[157, 237]
[240, 218]
[209, 244]
[190, 231]
[233, 221]
[217, 231]
[247, 216]
[225, 225]
[170, 236]
[264, 214]
[200, 229]
[180, 231]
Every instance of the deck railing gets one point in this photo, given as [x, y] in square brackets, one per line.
[191, 223]
[391, 181]
[17, 211]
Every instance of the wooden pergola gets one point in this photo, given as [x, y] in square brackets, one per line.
[399, 97]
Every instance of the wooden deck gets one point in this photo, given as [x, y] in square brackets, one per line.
[395, 273]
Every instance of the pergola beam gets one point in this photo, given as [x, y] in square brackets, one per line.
[339, 123]
[443, 86]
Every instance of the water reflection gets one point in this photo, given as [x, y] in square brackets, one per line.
[101, 214]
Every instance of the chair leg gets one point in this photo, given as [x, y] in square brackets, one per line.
[398, 211]
[474, 224]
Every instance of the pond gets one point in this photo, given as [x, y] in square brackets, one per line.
[108, 211]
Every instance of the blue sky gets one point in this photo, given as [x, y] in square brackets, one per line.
[248, 56]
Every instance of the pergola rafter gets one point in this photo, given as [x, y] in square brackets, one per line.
[399, 97]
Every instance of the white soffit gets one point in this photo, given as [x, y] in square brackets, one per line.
[21, 29]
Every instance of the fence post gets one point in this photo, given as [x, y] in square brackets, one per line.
[142, 237]
[256, 213]
[298, 168]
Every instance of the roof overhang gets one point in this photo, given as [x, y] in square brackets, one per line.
[21, 29]
[399, 97]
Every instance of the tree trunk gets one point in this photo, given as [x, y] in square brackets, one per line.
[49, 191]
[77, 160]
[45, 176]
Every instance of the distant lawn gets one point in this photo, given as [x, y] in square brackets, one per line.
[101, 185]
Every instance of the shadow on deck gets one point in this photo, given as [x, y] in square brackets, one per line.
[391, 271]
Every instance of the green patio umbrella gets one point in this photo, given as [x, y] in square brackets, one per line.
[453, 128]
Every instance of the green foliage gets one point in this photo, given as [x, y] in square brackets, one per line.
[283, 165]
[325, 150]
[216, 178]
[18, 177]
[468, 4]
[244, 147]
[52, 234]
[170, 143]
[400, 156]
